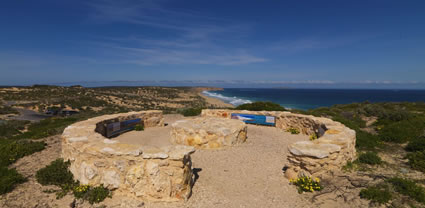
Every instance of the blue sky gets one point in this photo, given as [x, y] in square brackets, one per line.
[258, 43]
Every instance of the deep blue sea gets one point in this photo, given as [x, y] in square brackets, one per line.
[314, 98]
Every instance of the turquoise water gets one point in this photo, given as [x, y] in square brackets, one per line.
[314, 98]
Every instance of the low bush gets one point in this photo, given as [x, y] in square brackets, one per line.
[47, 127]
[190, 111]
[11, 128]
[307, 184]
[376, 194]
[366, 141]
[417, 144]
[9, 178]
[261, 106]
[91, 194]
[408, 188]
[370, 158]
[97, 194]
[402, 131]
[56, 173]
[293, 130]
[417, 160]
[12, 150]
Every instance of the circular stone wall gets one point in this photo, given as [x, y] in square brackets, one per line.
[149, 173]
[208, 132]
[334, 146]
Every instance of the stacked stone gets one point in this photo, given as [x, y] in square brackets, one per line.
[140, 172]
[208, 132]
[334, 147]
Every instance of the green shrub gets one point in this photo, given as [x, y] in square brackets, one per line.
[408, 188]
[139, 128]
[11, 128]
[9, 178]
[56, 173]
[47, 127]
[366, 141]
[293, 130]
[417, 160]
[261, 106]
[190, 111]
[80, 191]
[97, 194]
[370, 158]
[380, 195]
[91, 194]
[11, 150]
[417, 144]
[307, 184]
[402, 131]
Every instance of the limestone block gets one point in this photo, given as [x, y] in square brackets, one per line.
[307, 148]
[208, 132]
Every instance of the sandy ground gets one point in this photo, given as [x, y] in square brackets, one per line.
[246, 175]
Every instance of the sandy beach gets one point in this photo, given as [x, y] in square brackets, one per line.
[215, 102]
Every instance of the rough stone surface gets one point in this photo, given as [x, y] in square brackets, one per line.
[208, 132]
[135, 171]
[333, 148]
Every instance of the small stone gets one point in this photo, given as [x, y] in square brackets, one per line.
[290, 174]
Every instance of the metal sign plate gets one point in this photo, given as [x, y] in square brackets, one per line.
[255, 119]
[115, 128]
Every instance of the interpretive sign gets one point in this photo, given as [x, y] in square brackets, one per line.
[114, 127]
[255, 119]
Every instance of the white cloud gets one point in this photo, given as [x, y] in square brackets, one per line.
[194, 38]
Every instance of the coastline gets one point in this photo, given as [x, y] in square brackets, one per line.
[215, 102]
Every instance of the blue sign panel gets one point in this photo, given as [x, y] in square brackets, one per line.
[255, 119]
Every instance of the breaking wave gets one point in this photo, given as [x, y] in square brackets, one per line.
[232, 100]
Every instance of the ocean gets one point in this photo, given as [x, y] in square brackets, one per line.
[305, 99]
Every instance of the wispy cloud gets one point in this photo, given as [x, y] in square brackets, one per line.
[195, 38]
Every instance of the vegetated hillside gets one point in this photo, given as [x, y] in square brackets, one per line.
[390, 146]
[108, 99]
